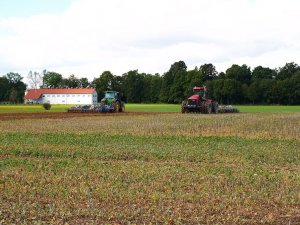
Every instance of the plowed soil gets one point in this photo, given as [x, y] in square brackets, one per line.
[56, 115]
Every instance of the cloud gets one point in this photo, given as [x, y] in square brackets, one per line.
[96, 35]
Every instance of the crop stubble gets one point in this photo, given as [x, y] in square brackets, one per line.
[159, 168]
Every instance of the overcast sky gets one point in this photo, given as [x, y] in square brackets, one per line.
[87, 37]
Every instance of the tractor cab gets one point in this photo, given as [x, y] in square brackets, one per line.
[201, 91]
[110, 96]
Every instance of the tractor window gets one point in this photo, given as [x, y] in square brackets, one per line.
[201, 92]
[109, 95]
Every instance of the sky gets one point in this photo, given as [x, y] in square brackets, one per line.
[87, 37]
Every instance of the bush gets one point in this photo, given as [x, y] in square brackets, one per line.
[47, 106]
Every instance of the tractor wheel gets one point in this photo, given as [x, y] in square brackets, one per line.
[203, 107]
[122, 109]
[215, 107]
[116, 106]
[209, 107]
[183, 109]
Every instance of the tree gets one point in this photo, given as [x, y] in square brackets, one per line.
[239, 73]
[292, 93]
[4, 88]
[288, 71]
[52, 80]
[84, 82]
[72, 82]
[194, 78]
[173, 83]
[134, 86]
[209, 71]
[260, 72]
[13, 96]
[232, 91]
[217, 90]
[14, 78]
[221, 75]
[155, 87]
[16, 88]
[253, 92]
[35, 79]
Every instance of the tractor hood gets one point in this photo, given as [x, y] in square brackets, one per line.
[194, 97]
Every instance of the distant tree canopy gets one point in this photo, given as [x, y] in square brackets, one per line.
[12, 88]
[238, 85]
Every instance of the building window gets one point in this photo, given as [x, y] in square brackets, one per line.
[58, 95]
[48, 96]
[78, 95]
[53, 96]
[63, 95]
[73, 95]
[68, 95]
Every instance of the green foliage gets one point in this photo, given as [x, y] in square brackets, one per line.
[52, 79]
[71, 82]
[12, 88]
[260, 72]
[209, 71]
[174, 82]
[14, 78]
[239, 73]
[239, 85]
[134, 86]
[84, 82]
[4, 88]
[287, 71]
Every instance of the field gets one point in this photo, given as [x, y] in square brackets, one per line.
[156, 167]
[143, 108]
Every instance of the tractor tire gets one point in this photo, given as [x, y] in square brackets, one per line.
[116, 106]
[183, 109]
[122, 109]
[209, 107]
[215, 107]
[203, 108]
[206, 107]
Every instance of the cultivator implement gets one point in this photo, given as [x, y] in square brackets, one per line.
[110, 103]
[92, 109]
[227, 109]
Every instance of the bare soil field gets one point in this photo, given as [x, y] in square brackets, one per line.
[56, 115]
[150, 168]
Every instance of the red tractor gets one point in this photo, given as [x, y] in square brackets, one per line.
[199, 103]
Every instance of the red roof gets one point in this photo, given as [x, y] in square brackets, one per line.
[36, 93]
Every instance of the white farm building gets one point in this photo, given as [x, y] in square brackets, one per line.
[61, 96]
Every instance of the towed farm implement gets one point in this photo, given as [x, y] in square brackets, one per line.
[110, 103]
[199, 103]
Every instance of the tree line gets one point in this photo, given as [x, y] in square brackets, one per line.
[237, 85]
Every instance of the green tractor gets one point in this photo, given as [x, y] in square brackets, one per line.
[112, 101]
